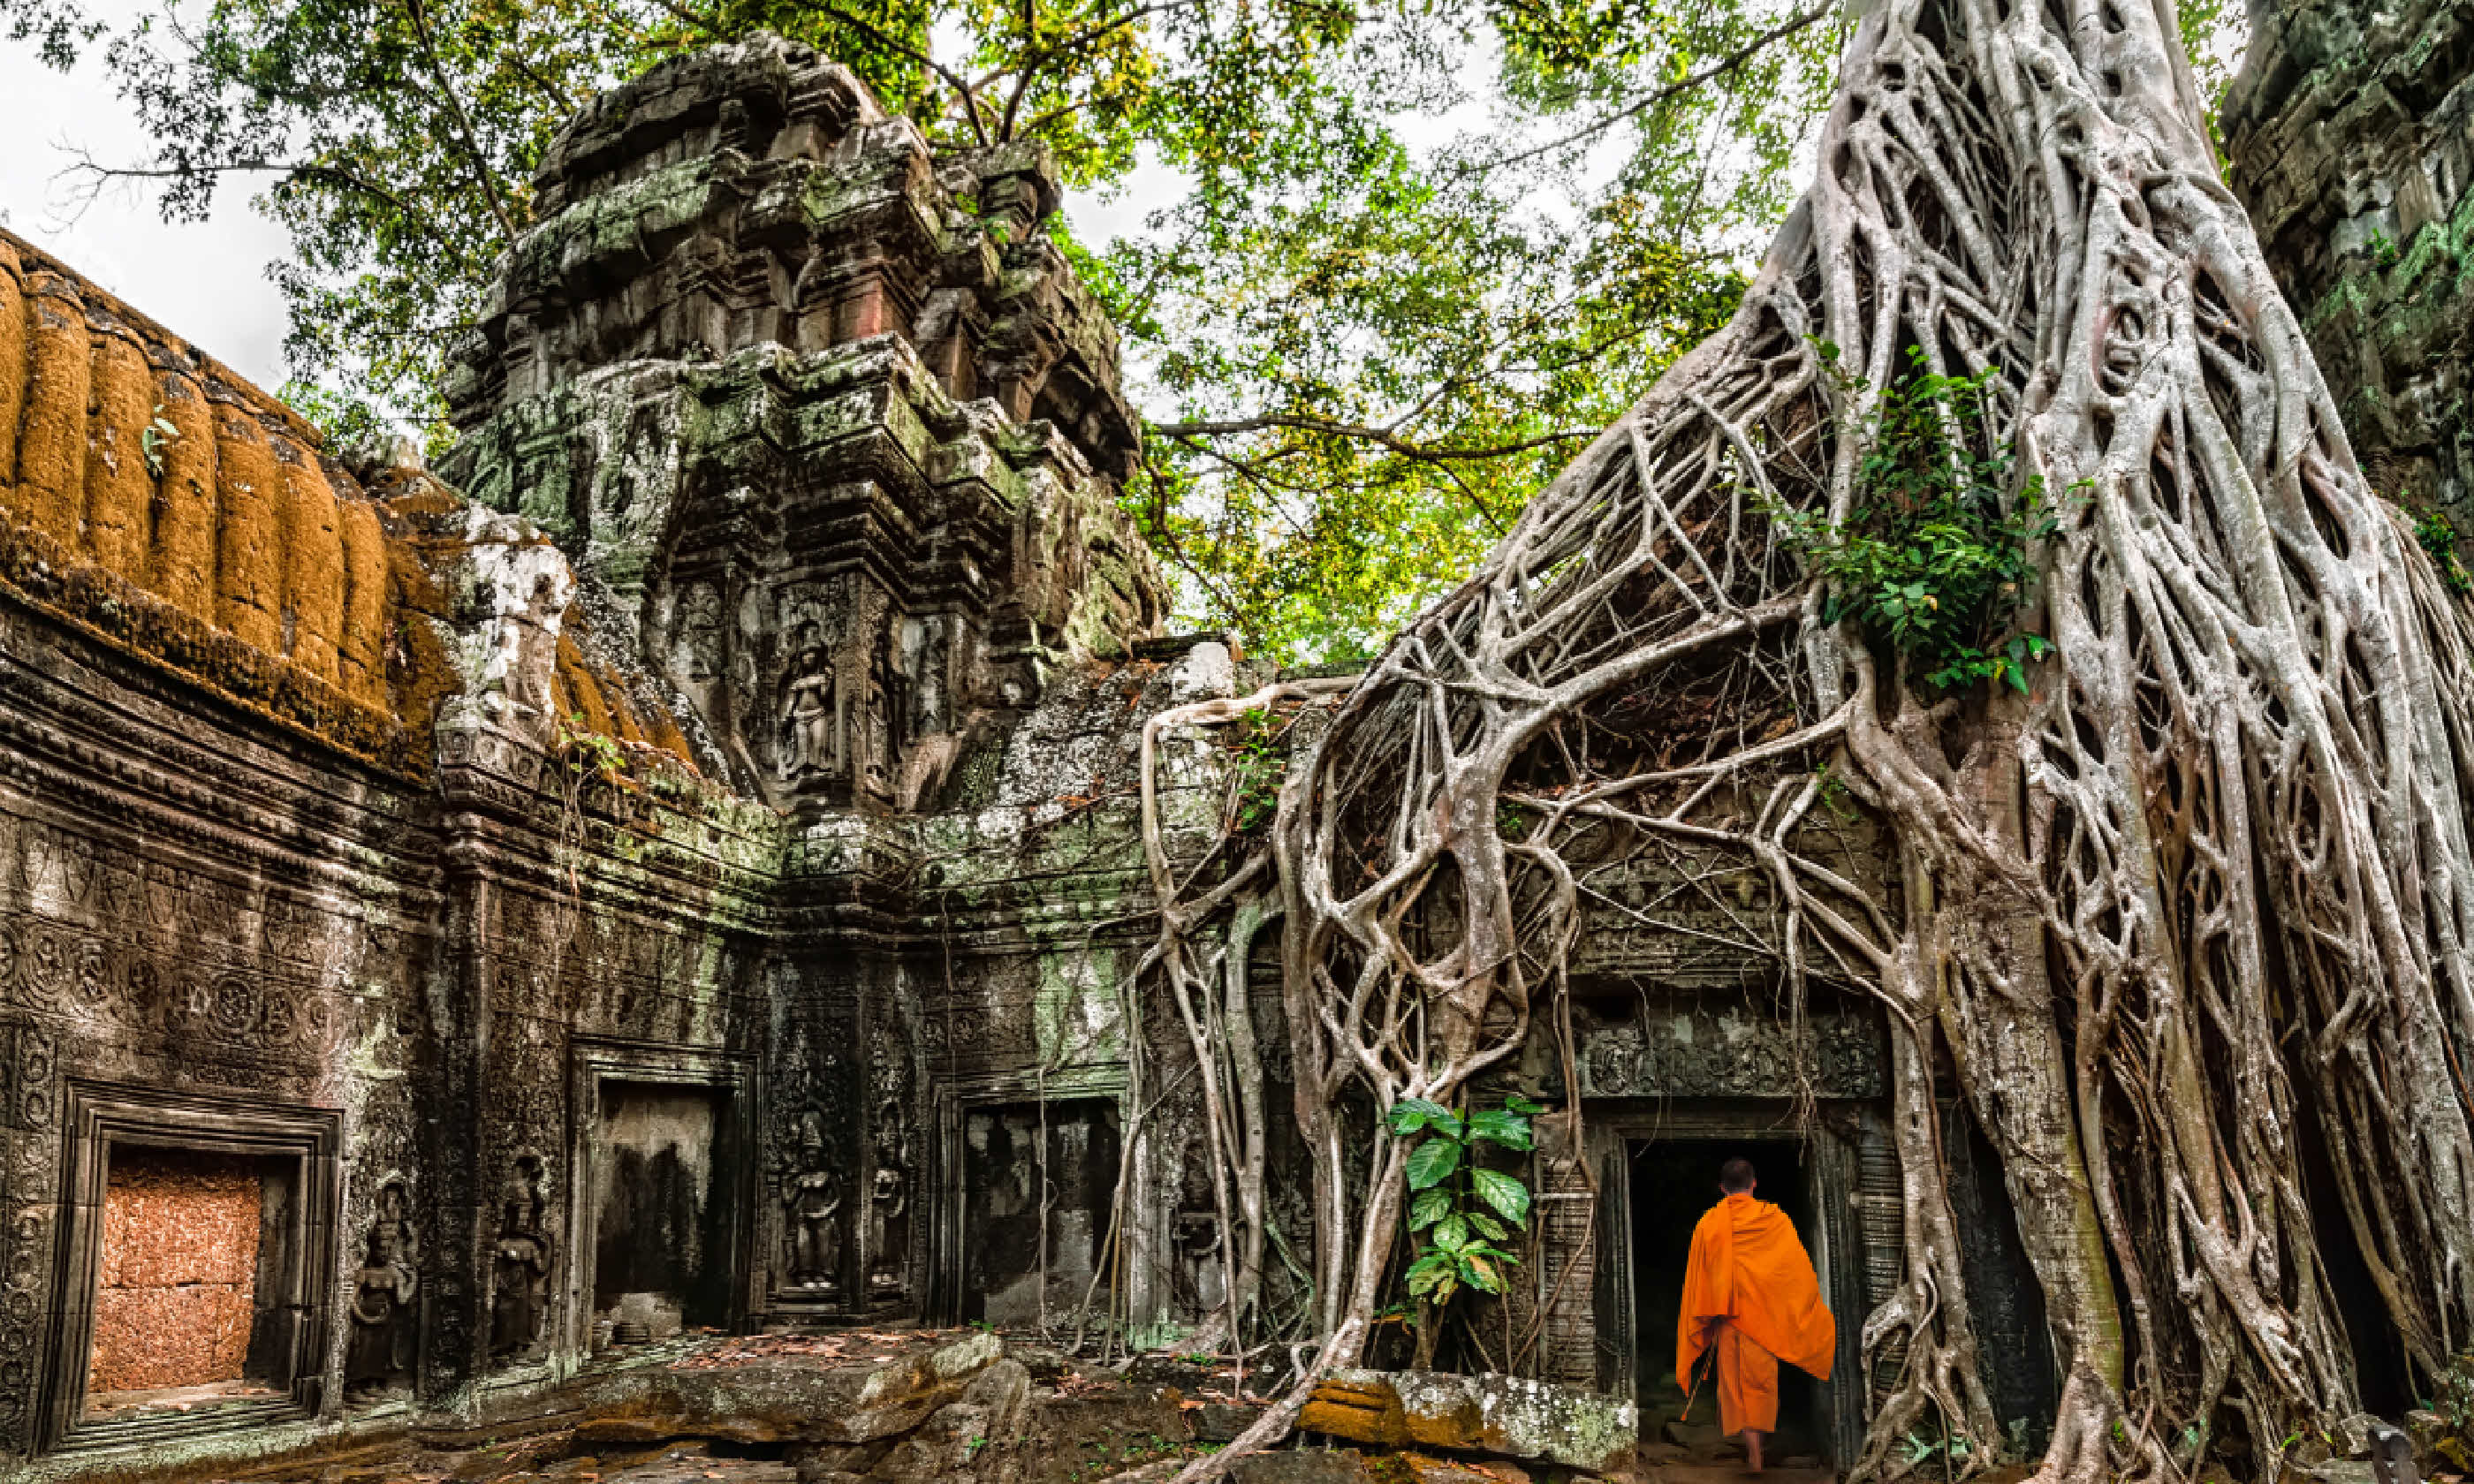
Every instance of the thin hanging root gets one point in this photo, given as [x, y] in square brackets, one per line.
[2211, 881]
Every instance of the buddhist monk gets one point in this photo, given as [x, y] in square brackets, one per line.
[1750, 1301]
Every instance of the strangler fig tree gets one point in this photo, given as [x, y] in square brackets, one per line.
[2174, 871]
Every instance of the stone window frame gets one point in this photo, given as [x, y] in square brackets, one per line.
[952, 1099]
[594, 1060]
[101, 1114]
[1613, 1125]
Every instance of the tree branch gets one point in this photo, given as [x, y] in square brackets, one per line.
[1407, 449]
[1648, 100]
[480, 163]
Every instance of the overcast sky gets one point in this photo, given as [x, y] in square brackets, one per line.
[206, 281]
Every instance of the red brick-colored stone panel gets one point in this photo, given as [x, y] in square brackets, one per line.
[179, 1271]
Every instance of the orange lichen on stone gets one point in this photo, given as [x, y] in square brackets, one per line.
[181, 567]
[12, 364]
[119, 487]
[313, 560]
[576, 694]
[51, 441]
[419, 675]
[361, 654]
[664, 732]
[249, 547]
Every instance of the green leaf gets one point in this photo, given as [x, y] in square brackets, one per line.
[1429, 1207]
[1493, 1228]
[1412, 1113]
[1432, 1162]
[1515, 1103]
[1509, 1129]
[1451, 1233]
[1502, 1192]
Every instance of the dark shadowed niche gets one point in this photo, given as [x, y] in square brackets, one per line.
[661, 1238]
[1039, 1177]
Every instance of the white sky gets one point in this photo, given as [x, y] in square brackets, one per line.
[206, 281]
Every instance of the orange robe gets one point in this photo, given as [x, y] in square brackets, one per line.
[1750, 1295]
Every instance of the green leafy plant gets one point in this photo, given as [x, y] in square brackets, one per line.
[156, 437]
[2437, 535]
[1258, 763]
[588, 755]
[1462, 1212]
[1933, 561]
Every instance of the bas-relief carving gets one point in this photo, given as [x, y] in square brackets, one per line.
[29, 1067]
[814, 1215]
[520, 1264]
[383, 1345]
[1690, 1049]
[891, 1169]
[813, 734]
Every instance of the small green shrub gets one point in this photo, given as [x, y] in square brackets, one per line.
[1258, 763]
[2437, 535]
[588, 755]
[1462, 1212]
[1933, 561]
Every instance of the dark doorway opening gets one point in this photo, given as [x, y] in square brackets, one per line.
[1673, 1182]
[1039, 1179]
[2378, 1346]
[661, 1238]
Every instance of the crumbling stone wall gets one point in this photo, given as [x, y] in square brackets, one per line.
[2350, 134]
[123, 446]
[761, 737]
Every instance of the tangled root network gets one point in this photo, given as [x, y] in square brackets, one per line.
[2198, 899]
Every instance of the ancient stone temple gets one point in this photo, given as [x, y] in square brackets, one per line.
[673, 869]
[2350, 134]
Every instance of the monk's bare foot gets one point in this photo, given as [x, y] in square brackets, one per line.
[1752, 1451]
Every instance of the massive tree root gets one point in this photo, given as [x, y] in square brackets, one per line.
[2207, 884]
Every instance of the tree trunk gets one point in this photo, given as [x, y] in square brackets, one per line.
[2210, 877]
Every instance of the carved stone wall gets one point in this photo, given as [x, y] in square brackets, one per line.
[2349, 141]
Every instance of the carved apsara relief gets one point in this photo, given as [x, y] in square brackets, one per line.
[520, 1262]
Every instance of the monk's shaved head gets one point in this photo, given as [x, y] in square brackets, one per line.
[1736, 1176]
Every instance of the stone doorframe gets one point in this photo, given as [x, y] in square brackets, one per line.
[306, 1141]
[593, 1062]
[1838, 1241]
[952, 1099]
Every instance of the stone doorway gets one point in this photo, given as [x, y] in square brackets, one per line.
[1672, 1182]
[1657, 1168]
[177, 1322]
[661, 1228]
[200, 1239]
[1038, 1180]
[660, 1220]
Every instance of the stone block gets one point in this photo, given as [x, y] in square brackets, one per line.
[782, 1401]
[1302, 1466]
[1504, 1415]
